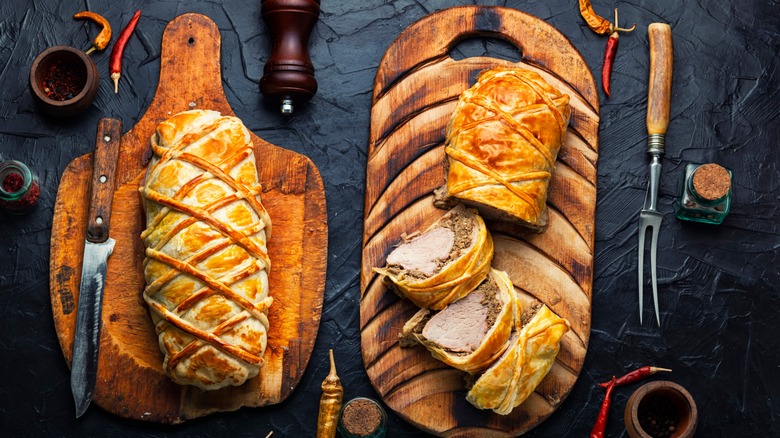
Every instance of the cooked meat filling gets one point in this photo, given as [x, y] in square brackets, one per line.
[428, 253]
[461, 326]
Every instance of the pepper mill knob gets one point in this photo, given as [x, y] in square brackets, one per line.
[288, 75]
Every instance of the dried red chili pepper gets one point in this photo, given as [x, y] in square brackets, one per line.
[609, 54]
[602, 26]
[609, 57]
[601, 420]
[104, 37]
[635, 376]
[115, 64]
[596, 23]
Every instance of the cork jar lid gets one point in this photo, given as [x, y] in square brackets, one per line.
[711, 181]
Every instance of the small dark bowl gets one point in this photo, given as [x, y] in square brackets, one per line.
[85, 85]
[671, 396]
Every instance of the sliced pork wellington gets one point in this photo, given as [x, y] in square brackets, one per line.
[444, 263]
[520, 369]
[472, 332]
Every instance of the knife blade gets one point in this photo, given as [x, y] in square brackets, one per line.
[97, 248]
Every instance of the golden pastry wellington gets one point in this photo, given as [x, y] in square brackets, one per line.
[444, 263]
[502, 143]
[516, 374]
[206, 265]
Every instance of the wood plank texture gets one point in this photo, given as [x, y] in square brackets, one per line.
[130, 381]
[416, 88]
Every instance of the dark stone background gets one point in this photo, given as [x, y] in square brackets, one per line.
[719, 294]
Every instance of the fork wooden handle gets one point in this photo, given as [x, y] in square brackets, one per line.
[659, 93]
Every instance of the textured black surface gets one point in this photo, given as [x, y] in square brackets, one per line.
[719, 294]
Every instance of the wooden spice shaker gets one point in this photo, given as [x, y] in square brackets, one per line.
[330, 403]
[288, 75]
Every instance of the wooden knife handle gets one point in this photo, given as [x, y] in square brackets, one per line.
[659, 93]
[104, 164]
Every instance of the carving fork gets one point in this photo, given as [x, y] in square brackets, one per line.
[658, 105]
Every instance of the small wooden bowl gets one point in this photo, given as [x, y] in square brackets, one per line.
[664, 391]
[81, 66]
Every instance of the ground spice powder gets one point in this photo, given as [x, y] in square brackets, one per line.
[361, 418]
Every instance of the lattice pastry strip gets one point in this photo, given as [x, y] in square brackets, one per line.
[501, 145]
[206, 263]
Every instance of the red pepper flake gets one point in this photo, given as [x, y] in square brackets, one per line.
[636, 375]
[63, 81]
[601, 420]
[13, 182]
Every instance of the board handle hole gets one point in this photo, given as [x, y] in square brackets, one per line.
[191, 41]
[479, 46]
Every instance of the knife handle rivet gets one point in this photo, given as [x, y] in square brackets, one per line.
[99, 220]
[103, 178]
[107, 138]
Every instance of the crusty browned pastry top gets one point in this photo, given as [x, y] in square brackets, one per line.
[502, 143]
[206, 265]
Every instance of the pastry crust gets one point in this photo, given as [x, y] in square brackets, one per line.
[502, 143]
[517, 373]
[457, 277]
[206, 264]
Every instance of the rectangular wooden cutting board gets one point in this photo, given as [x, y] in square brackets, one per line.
[416, 88]
[130, 380]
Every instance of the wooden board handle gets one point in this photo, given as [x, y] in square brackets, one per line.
[104, 164]
[445, 28]
[659, 93]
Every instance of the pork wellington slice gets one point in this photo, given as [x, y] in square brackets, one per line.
[472, 332]
[443, 263]
[509, 381]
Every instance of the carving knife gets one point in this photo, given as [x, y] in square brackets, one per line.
[97, 248]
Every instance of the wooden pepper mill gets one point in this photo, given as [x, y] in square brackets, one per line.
[288, 76]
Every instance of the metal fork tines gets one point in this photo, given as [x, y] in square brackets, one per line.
[650, 218]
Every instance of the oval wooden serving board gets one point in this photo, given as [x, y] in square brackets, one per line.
[130, 381]
[416, 88]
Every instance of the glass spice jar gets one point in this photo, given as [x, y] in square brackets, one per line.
[362, 418]
[19, 187]
[705, 193]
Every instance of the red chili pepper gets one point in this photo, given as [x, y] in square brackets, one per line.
[609, 56]
[610, 52]
[115, 64]
[636, 375]
[601, 420]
